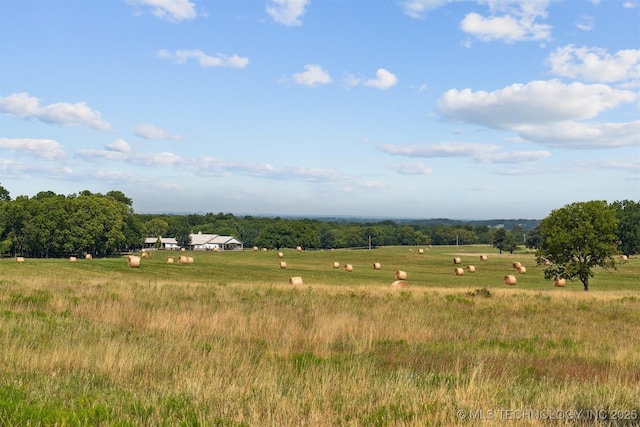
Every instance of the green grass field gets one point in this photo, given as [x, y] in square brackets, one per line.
[228, 341]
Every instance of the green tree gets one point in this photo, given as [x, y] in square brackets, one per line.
[628, 213]
[576, 239]
[499, 239]
[4, 195]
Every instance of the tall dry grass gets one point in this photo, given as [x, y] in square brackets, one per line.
[104, 353]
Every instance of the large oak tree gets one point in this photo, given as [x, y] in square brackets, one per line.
[576, 239]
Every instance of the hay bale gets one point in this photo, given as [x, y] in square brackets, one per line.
[348, 267]
[516, 265]
[189, 260]
[401, 275]
[255, 249]
[182, 249]
[461, 250]
[458, 272]
[169, 260]
[72, 259]
[402, 284]
[88, 256]
[280, 254]
[19, 259]
[457, 260]
[558, 282]
[133, 261]
[624, 258]
[376, 266]
[522, 270]
[264, 249]
[471, 269]
[483, 257]
[410, 250]
[421, 251]
[298, 248]
[183, 260]
[336, 265]
[510, 280]
[296, 280]
[546, 262]
[283, 264]
[145, 254]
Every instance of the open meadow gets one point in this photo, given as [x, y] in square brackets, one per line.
[228, 341]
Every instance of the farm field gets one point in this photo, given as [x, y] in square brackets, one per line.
[228, 341]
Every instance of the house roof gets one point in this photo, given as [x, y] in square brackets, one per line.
[214, 239]
[163, 240]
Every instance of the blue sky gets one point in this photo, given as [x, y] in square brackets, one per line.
[410, 108]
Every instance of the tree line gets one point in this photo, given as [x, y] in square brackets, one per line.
[55, 225]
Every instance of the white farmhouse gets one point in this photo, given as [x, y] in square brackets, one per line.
[169, 243]
[215, 242]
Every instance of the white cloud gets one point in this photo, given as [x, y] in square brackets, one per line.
[418, 8]
[313, 75]
[148, 131]
[119, 145]
[25, 106]
[585, 23]
[210, 166]
[585, 135]
[508, 20]
[485, 153]
[384, 80]
[411, 168]
[287, 12]
[595, 64]
[92, 155]
[206, 61]
[442, 149]
[47, 149]
[170, 10]
[546, 112]
[514, 157]
[629, 4]
[537, 102]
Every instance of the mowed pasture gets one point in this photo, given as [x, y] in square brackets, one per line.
[228, 341]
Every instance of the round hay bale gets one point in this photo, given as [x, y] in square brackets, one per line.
[402, 284]
[483, 257]
[457, 260]
[280, 254]
[264, 249]
[522, 270]
[182, 249]
[296, 281]
[516, 265]
[336, 265]
[169, 260]
[348, 267]
[143, 250]
[471, 269]
[558, 282]
[624, 258]
[72, 259]
[376, 266]
[298, 248]
[255, 249]
[145, 254]
[182, 260]
[458, 272]
[401, 275]
[283, 264]
[410, 250]
[421, 251]
[88, 256]
[189, 260]
[510, 280]
[19, 259]
[133, 261]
